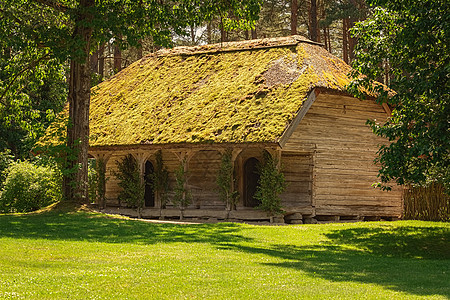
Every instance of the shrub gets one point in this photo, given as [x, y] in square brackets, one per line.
[5, 160]
[182, 197]
[160, 179]
[225, 181]
[130, 181]
[29, 187]
[271, 185]
[92, 180]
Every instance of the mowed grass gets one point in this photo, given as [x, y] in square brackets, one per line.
[85, 255]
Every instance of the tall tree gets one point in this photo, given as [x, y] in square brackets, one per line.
[294, 16]
[75, 26]
[407, 42]
[314, 33]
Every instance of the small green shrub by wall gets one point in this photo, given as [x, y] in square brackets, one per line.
[271, 184]
[160, 179]
[225, 180]
[29, 187]
[97, 181]
[130, 181]
[182, 197]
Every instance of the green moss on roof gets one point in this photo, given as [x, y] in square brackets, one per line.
[214, 95]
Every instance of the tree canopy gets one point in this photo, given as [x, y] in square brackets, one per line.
[405, 44]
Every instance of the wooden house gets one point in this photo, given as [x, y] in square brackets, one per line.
[284, 95]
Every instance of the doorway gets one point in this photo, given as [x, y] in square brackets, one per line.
[251, 179]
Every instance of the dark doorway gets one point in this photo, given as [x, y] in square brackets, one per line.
[149, 195]
[251, 178]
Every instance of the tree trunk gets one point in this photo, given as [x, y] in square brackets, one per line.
[94, 61]
[294, 16]
[351, 41]
[209, 32]
[223, 33]
[101, 61]
[345, 40]
[254, 37]
[313, 26]
[192, 35]
[117, 59]
[140, 50]
[75, 181]
[329, 39]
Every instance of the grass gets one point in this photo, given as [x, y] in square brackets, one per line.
[84, 255]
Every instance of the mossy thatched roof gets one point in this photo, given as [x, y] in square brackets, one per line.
[234, 92]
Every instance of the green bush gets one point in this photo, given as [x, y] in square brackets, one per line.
[29, 187]
[130, 181]
[6, 159]
[271, 184]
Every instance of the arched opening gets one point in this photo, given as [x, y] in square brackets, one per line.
[149, 196]
[251, 178]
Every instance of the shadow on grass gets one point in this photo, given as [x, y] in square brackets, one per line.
[413, 260]
[83, 226]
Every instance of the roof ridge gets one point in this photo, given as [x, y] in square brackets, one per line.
[235, 46]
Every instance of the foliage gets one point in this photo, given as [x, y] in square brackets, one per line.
[271, 184]
[406, 43]
[29, 187]
[5, 160]
[28, 102]
[160, 179]
[183, 196]
[97, 181]
[429, 203]
[92, 180]
[225, 181]
[130, 181]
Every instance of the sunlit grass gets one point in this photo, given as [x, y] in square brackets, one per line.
[82, 255]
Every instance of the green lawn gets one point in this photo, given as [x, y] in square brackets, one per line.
[81, 255]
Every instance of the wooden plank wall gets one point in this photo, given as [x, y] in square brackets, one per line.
[344, 151]
[203, 169]
[297, 170]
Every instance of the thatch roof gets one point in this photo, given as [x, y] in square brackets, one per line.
[234, 92]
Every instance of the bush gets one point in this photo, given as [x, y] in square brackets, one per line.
[29, 187]
[97, 181]
[130, 181]
[5, 160]
[271, 184]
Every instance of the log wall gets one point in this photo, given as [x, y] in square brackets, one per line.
[297, 168]
[344, 148]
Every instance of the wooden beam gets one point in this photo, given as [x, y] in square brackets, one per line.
[387, 109]
[300, 115]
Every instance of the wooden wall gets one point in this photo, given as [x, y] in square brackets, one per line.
[203, 169]
[297, 168]
[343, 148]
